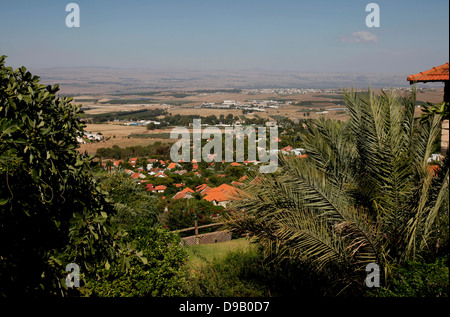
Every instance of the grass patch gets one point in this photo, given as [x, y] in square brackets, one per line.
[203, 254]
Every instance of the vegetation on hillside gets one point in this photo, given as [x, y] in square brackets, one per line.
[364, 195]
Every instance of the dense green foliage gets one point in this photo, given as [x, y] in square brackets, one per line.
[182, 213]
[157, 150]
[364, 195]
[418, 279]
[158, 270]
[249, 273]
[51, 212]
[239, 274]
[134, 206]
[151, 114]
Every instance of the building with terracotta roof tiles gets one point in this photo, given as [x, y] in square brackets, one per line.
[242, 178]
[287, 149]
[201, 187]
[160, 174]
[185, 193]
[173, 165]
[160, 188]
[437, 74]
[433, 169]
[137, 175]
[117, 163]
[223, 195]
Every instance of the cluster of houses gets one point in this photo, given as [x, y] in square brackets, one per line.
[219, 196]
[89, 137]
[143, 123]
[252, 105]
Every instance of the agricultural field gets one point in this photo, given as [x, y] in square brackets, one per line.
[303, 106]
[117, 134]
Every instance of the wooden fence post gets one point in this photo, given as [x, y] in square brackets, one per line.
[197, 240]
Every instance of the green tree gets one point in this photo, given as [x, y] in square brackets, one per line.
[133, 204]
[51, 212]
[363, 195]
[157, 270]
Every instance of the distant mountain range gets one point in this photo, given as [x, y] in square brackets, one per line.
[105, 80]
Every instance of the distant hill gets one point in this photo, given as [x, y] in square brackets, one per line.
[101, 80]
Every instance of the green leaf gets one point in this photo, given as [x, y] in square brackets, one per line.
[11, 129]
[107, 265]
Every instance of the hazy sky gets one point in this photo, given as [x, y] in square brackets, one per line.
[319, 35]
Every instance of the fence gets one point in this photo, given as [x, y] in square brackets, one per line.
[206, 238]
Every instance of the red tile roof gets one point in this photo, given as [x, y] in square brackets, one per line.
[434, 169]
[183, 193]
[243, 178]
[438, 73]
[172, 165]
[160, 174]
[200, 187]
[116, 163]
[224, 193]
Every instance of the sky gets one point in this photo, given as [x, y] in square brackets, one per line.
[294, 35]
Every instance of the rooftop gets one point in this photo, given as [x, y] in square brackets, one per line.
[223, 193]
[183, 193]
[438, 73]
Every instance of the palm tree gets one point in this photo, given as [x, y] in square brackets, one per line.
[364, 194]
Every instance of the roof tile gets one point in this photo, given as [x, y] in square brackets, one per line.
[438, 73]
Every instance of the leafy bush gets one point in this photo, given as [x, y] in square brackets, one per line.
[234, 276]
[158, 269]
[363, 195]
[132, 202]
[250, 274]
[51, 212]
[418, 279]
[182, 213]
